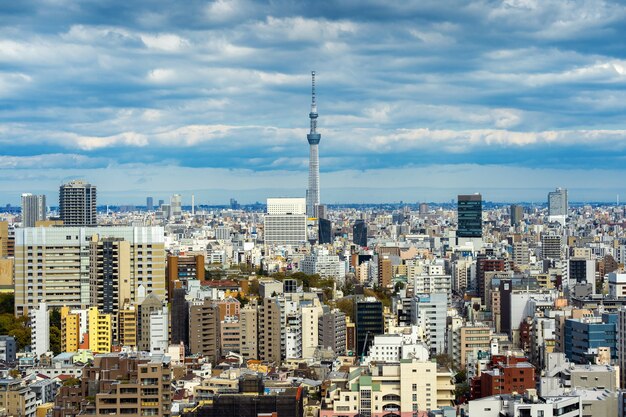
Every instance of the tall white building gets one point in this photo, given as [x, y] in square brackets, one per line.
[33, 209]
[430, 312]
[159, 331]
[40, 329]
[285, 221]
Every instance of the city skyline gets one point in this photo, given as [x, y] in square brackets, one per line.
[210, 100]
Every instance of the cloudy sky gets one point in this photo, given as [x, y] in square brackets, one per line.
[418, 100]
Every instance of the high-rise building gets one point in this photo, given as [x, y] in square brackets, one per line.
[180, 317]
[359, 233]
[60, 272]
[33, 209]
[149, 203]
[285, 221]
[423, 210]
[270, 330]
[151, 304]
[100, 331]
[430, 312]
[517, 214]
[325, 231]
[183, 269]
[70, 330]
[551, 247]
[470, 216]
[249, 330]
[332, 331]
[109, 274]
[204, 329]
[369, 323]
[77, 203]
[176, 206]
[557, 205]
[40, 329]
[313, 192]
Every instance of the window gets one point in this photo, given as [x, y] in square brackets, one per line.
[414, 387]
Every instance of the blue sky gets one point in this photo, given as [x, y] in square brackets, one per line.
[418, 100]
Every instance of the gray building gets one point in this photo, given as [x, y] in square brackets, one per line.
[77, 202]
[557, 205]
[8, 348]
[33, 209]
[332, 331]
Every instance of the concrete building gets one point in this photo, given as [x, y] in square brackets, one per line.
[332, 331]
[183, 269]
[204, 329]
[77, 204]
[54, 265]
[285, 222]
[513, 406]
[159, 331]
[558, 205]
[320, 261]
[100, 331]
[176, 206]
[127, 327]
[8, 349]
[429, 311]
[33, 209]
[587, 335]
[470, 339]
[469, 218]
[406, 388]
[248, 324]
[16, 399]
[517, 214]
[132, 386]
[151, 304]
[359, 233]
[551, 247]
[270, 335]
[40, 329]
[71, 334]
[617, 284]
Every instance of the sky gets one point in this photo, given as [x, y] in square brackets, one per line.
[417, 100]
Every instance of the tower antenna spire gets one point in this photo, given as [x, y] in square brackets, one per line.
[313, 192]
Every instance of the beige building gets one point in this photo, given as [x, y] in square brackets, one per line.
[472, 338]
[127, 327]
[6, 275]
[17, 400]
[54, 265]
[401, 388]
[248, 317]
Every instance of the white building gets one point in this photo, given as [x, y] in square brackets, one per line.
[430, 312]
[159, 331]
[322, 262]
[617, 284]
[40, 329]
[285, 222]
[395, 347]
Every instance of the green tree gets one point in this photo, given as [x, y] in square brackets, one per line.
[346, 305]
[55, 340]
[55, 318]
[7, 303]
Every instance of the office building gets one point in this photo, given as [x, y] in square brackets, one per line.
[176, 206]
[551, 247]
[159, 331]
[54, 265]
[77, 204]
[149, 203]
[324, 231]
[505, 374]
[369, 323]
[183, 269]
[385, 271]
[521, 255]
[359, 233]
[517, 215]
[470, 216]
[285, 221]
[180, 317]
[33, 209]
[127, 327]
[557, 205]
[587, 335]
[313, 191]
